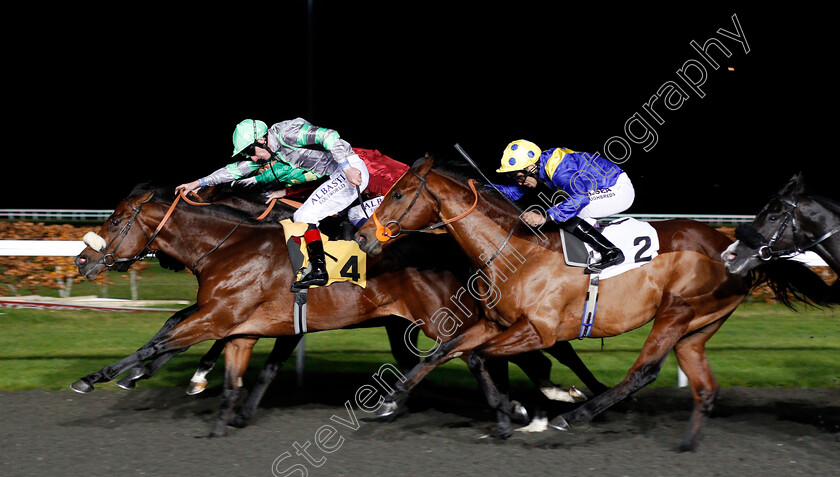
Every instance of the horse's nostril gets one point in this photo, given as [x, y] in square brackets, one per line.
[731, 257]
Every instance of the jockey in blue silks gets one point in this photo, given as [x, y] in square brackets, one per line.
[591, 186]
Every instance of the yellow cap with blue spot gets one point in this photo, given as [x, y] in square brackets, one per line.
[518, 155]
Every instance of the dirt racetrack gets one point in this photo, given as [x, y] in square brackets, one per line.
[761, 432]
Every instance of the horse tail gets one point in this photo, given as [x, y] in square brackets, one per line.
[792, 281]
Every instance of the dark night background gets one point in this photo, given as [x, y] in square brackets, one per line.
[99, 101]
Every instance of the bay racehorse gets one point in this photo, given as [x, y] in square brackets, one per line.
[243, 273]
[533, 300]
[792, 222]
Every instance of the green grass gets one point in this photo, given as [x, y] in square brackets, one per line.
[154, 283]
[762, 345]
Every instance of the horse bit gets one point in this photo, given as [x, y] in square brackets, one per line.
[383, 232]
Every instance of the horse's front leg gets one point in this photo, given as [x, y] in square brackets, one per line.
[465, 342]
[188, 332]
[148, 351]
[669, 325]
[145, 372]
[283, 347]
[198, 382]
[137, 373]
[237, 355]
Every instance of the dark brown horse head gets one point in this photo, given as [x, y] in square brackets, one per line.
[120, 241]
[409, 206]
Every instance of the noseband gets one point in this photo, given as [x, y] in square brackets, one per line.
[109, 260]
[765, 251]
[383, 232]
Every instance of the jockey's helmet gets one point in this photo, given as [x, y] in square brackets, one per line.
[518, 155]
[246, 133]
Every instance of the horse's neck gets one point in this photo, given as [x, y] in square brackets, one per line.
[482, 239]
[829, 249]
[187, 239]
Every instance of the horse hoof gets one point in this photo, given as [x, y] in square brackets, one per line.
[81, 387]
[196, 387]
[388, 411]
[559, 423]
[539, 424]
[239, 422]
[556, 394]
[126, 383]
[688, 447]
[520, 414]
[577, 394]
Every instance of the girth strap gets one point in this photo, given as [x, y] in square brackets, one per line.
[589, 307]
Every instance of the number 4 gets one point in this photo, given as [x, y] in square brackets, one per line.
[351, 269]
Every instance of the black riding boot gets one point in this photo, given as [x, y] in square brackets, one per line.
[610, 254]
[315, 248]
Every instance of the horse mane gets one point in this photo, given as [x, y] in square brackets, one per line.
[216, 196]
[827, 202]
[462, 171]
[792, 282]
[420, 251]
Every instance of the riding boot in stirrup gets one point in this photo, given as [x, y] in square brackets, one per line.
[315, 248]
[610, 254]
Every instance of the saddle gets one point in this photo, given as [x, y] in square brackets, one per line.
[345, 260]
[637, 240]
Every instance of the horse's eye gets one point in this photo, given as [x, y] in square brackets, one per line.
[397, 195]
[115, 222]
[772, 218]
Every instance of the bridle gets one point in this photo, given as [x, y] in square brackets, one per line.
[109, 259]
[765, 251]
[383, 232]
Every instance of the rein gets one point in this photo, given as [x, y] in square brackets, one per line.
[110, 261]
[383, 232]
[765, 251]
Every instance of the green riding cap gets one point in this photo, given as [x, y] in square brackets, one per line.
[246, 133]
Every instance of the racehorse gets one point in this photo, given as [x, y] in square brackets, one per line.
[243, 272]
[685, 289]
[792, 222]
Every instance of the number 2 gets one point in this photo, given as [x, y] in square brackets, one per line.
[639, 255]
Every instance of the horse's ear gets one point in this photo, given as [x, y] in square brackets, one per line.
[423, 165]
[796, 186]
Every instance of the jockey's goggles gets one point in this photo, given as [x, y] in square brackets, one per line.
[251, 150]
[521, 175]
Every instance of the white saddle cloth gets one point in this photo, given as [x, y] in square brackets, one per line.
[636, 239]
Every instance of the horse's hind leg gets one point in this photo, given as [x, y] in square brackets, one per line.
[237, 355]
[397, 328]
[670, 323]
[691, 354]
[283, 347]
[566, 355]
[495, 398]
[198, 381]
